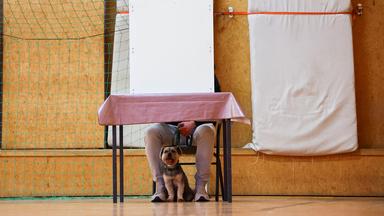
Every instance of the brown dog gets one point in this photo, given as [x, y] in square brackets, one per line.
[174, 176]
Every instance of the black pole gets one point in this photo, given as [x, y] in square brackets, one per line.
[1, 70]
[225, 143]
[114, 167]
[227, 160]
[121, 163]
[219, 167]
[221, 180]
[105, 68]
[153, 187]
[218, 164]
[109, 11]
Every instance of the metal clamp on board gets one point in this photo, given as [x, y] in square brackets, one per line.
[230, 11]
[359, 9]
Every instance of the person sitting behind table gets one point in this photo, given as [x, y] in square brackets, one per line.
[202, 134]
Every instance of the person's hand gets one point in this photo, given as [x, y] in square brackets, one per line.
[186, 128]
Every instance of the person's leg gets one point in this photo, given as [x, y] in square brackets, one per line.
[203, 138]
[156, 136]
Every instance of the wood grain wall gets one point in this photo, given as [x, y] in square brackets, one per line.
[233, 67]
[89, 173]
[368, 33]
[232, 62]
[53, 74]
[53, 19]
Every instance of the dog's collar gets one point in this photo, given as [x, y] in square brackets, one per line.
[176, 166]
[171, 171]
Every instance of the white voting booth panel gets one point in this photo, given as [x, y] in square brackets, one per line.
[171, 46]
[302, 78]
[133, 134]
[176, 58]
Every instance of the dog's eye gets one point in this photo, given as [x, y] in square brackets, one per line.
[173, 151]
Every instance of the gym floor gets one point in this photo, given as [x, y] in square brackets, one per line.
[241, 205]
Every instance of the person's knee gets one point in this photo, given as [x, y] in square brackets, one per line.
[205, 131]
[152, 132]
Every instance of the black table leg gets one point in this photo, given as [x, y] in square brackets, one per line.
[114, 165]
[121, 164]
[218, 164]
[227, 160]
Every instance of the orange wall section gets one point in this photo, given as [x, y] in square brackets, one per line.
[231, 60]
[53, 74]
[89, 173]
[232, 63]
[368, 35]
[233, 67]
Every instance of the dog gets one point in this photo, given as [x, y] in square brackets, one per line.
[174, 176]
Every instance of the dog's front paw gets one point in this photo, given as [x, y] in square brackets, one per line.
[170, 199]
[180, 200]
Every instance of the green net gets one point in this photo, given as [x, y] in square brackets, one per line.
[59, 61]
[54, 73]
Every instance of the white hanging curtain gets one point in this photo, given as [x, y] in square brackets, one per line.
[302, 78]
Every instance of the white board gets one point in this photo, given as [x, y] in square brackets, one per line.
[171, 46]
[133, 134]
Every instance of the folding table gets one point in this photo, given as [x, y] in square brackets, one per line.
[119, 110]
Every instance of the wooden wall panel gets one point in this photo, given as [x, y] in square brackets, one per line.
[85, 174]
[233, 67]
[356, 174]
[368, 33]
[53, 74]
[52, 19]
[232, 63]
[89, 173]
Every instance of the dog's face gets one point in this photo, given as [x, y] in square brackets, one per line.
[170, 155]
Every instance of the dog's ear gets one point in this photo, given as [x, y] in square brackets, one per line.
[178, 149]
[161, 152]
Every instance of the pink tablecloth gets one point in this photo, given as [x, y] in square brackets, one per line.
[152, 108]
